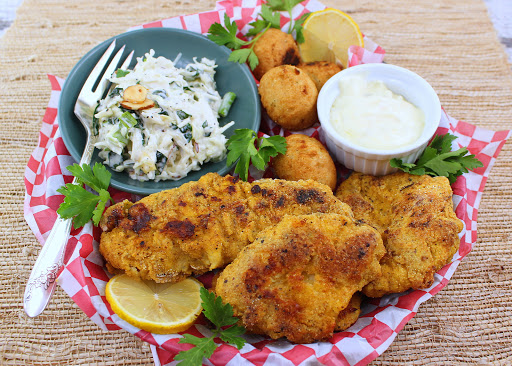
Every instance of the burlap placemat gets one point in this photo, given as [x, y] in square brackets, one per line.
[450, 42]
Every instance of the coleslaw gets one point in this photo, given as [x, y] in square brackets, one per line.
[173, 131]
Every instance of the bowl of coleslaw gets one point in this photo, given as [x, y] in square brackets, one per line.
[166, 118]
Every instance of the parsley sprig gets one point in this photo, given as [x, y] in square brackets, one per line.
[438, 159]
[226, 36]
[270, 14]
[221, 316]
[81, 204]
[246, 147]
[270, 18]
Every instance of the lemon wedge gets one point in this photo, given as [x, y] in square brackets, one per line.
[161, 308]
[328, 34]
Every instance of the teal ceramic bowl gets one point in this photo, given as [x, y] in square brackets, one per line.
[167, 42]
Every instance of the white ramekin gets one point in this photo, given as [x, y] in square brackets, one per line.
[399, 80]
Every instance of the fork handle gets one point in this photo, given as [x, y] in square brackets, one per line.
[42, 281]
[88, 150]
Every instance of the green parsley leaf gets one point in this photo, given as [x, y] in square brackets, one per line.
[232, 335]
[246, 147]
[283, 5]
[443, 143]
[98, 178]
[271, 146]
[81, 212]
[270, 17]
[257, 26]
[253, 60]
[439, 160]
[469, 162]
[225, 36]
[213, 308]
[242, 167]
[221, 316]
[242, 142]
[100, 207]
[288, 5]
[241, 55]
[428, 154]
[442, 166]
[121, 73]
[79, 203]
[204, 348]
[297, 27]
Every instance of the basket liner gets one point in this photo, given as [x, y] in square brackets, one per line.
[84, 276]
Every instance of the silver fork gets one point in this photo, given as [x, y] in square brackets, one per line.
[42, 281]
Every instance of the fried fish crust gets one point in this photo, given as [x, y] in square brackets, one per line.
[348, 316]
[414, 214]
[297, 276]
[202, 225]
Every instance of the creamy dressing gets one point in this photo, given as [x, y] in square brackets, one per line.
[370, 115]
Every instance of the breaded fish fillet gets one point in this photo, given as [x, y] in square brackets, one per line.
[202, 225]
[415, 217]
[348, 316]
[298, 275]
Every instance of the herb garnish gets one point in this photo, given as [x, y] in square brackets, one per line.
[270, 15]
[121, 73]
[439, 160]
[227, 37]
[182, 115]
[246, 147]
[79, 203]
[221, 316]
[270, 18]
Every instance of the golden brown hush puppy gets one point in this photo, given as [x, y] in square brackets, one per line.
[275, 48]
[289, 96]
[320, 71]
[305, 158]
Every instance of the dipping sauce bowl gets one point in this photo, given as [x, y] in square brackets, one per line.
[369, 160]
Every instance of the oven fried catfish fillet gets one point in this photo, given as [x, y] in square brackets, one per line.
[299, 276]
[202, 225]
[415, 217]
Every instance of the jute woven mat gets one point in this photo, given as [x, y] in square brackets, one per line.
[450, 42]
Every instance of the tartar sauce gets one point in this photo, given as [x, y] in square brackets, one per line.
[370, 115]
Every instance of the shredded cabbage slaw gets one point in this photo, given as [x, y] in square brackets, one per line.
[175, 136]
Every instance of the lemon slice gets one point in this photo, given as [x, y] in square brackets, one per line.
[160, 308]
[328, 34]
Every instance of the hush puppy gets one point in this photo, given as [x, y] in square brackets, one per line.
[305, 158]
[275, 48]
[289, 96]
[320, 71]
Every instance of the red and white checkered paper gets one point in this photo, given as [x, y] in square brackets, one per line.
[84, 276]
